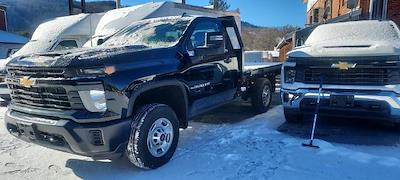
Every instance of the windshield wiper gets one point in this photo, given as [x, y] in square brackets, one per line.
[141, 46]
[52, 54]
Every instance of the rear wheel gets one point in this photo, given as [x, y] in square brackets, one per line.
[261, 95]
[293, 117]
[154, 136]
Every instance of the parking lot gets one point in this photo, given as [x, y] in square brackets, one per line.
[226, 145]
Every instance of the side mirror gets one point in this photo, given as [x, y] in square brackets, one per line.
[214, 39]
[214, 44]
[100, 41]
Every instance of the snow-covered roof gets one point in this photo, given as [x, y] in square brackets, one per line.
[355, 38]
[51, 31]
[354, 31]
[6, 37]
[53, 28]
[117, 19]
[80, 24]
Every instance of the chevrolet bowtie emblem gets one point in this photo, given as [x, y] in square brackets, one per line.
[26, 82]
[344, 66]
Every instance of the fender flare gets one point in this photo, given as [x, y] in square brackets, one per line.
[139, 89]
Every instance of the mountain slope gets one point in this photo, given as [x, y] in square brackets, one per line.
[263, 38]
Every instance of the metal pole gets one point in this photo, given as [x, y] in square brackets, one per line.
[371, 9]
[83, 6]
[70, 6]
[384, 9]
[117, 4]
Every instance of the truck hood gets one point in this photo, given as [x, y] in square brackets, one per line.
[347, 49]
[79, 57]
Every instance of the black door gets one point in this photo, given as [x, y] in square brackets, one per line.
[213, 76]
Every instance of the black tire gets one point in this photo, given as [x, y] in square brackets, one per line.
[138, 149]
[261, 103]
[293, 117]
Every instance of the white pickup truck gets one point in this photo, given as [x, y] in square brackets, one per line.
[358, 64]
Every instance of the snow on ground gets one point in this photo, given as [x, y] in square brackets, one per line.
[249, 149]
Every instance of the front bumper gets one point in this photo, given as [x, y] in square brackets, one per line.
[368, 104]
[104, 140]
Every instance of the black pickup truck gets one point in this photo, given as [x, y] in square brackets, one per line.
[133, 92]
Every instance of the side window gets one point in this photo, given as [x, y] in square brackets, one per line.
[66, 44]
[198, 38]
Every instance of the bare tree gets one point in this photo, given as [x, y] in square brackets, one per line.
[220, 4]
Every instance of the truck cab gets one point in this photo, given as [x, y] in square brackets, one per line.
[357, 64]
[132, 93]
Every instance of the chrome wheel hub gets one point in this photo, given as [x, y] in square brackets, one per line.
[160, 137]
[266, 96]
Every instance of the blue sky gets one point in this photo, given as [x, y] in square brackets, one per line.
[258, 12]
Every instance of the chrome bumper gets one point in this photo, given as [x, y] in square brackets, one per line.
[292, 100]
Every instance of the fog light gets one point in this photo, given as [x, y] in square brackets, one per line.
[94, 100]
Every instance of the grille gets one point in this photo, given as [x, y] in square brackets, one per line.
[44, 97]
[36, 72]
[359, 76]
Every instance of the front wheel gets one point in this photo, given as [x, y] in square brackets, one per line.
[154, 136]
[261, 95]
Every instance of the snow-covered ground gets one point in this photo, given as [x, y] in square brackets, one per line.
[216, 148]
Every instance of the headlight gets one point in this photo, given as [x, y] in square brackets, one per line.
[290, 75]
[97, 71]
[94, 100]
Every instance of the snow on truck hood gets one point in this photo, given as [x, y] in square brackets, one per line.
[357, 38]
[64, 58]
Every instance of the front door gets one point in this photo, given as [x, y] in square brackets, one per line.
[212, 78]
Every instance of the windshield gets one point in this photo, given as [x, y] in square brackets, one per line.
[150, 34]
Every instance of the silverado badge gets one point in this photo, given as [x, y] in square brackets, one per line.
[344, 66]
[26, 82]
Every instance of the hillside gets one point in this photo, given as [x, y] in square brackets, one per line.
[263, 38]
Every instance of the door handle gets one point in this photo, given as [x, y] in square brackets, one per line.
[228, 60]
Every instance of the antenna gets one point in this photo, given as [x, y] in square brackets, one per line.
[91, 31]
